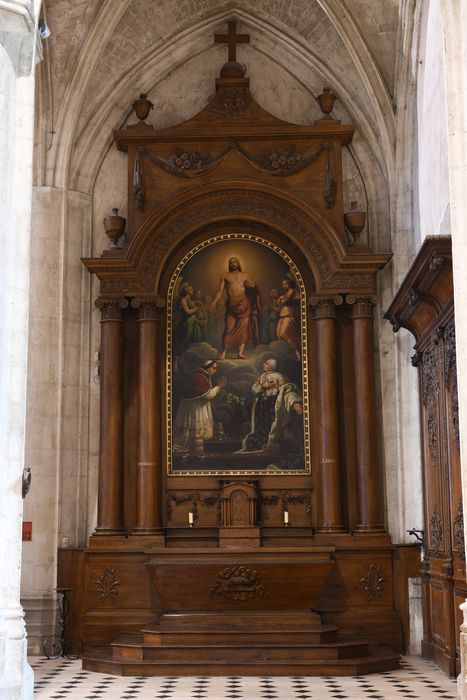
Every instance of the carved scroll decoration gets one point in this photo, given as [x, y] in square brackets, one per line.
[373, 582]
[233, 102]
[107, 585]
[239, 583]
[459, 541]
[450, 374]
[436, 533]
[430, 395]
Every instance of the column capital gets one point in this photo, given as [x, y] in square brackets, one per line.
[362, 306]
[325, 306]
[111, 307]
[149, 309]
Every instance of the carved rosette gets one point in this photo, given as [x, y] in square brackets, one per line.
[436, 533]
[325, 307]
[107, 585]
[430, 394]
[373, 582]
[459, 541]
[111, 309]
[450, 374]
[239, 583]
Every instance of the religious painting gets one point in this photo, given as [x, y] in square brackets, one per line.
[237, 361]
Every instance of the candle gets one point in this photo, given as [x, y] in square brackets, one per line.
[286, 517]
[190, 518]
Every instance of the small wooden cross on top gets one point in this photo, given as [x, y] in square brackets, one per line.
[232, 39]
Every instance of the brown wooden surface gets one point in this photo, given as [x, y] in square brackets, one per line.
[298, 207]
[424, 305]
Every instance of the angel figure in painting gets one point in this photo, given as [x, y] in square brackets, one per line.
[241, 309]
[288, 325]
[187, 327]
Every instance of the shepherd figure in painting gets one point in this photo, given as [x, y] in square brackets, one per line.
[194, 422]
[241, 309]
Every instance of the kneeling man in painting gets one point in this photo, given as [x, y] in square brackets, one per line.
[194, 422]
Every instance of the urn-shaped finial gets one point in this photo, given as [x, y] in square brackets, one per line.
[326, 102]
[355, 221]
[114, 227]
[142, 107]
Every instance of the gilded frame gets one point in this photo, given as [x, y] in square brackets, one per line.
[304, 363]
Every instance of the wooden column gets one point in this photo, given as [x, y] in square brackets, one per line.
[330, 515]
[148, 467]
[368, 471]
[110, 489]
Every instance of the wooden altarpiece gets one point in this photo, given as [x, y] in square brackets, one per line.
[308, 595]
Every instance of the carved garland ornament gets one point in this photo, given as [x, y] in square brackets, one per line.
[239, 583]
[373, 582]
[107, 585]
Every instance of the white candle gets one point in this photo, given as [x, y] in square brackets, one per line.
[190, 518]
[286, 517]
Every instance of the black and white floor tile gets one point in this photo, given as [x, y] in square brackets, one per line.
[65, 680]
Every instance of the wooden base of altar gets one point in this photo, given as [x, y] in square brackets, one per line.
[239, 612]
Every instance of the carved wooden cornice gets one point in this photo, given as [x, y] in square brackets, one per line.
[422, 299]
[334, 268]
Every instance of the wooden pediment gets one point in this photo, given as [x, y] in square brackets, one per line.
[235, 166]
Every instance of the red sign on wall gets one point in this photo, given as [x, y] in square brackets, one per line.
[27, 531]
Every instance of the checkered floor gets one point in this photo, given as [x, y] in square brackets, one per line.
[65, 679]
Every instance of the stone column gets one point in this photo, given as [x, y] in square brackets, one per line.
[455, 43]
[330, 516]
[148, 467]
[17, 47]
[368, 471]
[110, 492]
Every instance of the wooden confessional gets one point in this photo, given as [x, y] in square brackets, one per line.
[424, 305]
[227, 572]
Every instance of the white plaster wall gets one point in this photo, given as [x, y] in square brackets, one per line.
[433, 169]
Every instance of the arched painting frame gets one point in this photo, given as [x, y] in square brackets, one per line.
[258, 423]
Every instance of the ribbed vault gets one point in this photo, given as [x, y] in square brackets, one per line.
[102, 55]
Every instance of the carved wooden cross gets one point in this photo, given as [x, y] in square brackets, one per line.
[232, 39]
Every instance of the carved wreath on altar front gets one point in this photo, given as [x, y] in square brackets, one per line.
[239, 583]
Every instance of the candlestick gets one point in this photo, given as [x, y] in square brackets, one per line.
[190, 518]
[286, 518]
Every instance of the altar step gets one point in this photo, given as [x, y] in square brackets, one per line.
[268, 660]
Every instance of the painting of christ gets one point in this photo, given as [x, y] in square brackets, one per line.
[237, 369]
